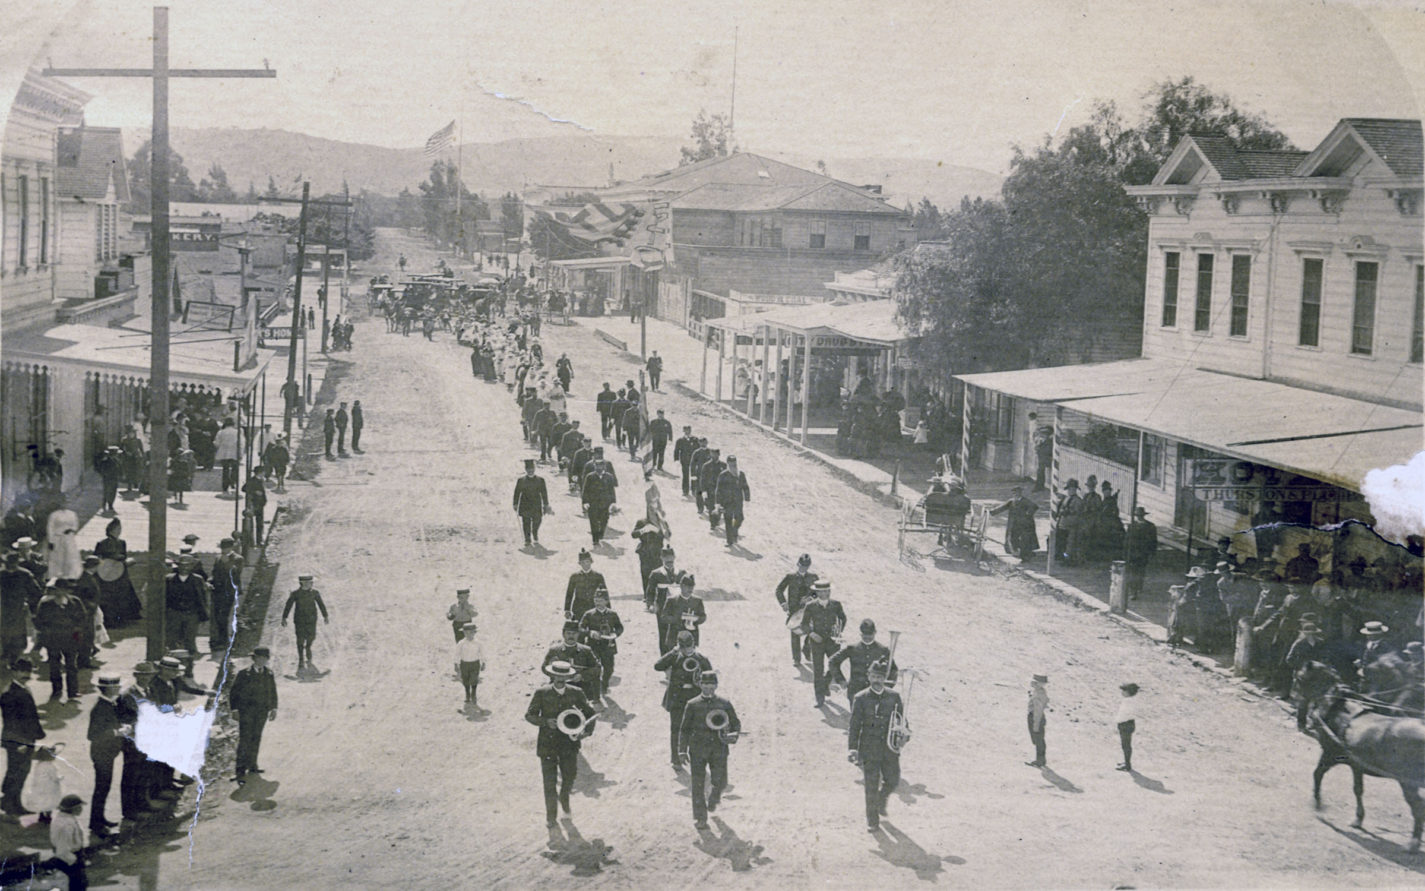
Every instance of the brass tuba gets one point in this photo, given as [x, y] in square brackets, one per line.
[571, 723]
[690, 620]
[718, 720]
[692, 666]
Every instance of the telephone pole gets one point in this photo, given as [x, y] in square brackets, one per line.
[155, 606]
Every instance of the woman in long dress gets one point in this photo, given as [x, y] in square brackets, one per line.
[117, 596]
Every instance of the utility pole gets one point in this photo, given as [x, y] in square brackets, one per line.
[326, 276]
[297, 314]
[155, 607]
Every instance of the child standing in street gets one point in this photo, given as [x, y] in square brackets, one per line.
[1127, 721]
[469, 659]
[1038, 710]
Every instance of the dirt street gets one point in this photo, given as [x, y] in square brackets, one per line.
[375, 778]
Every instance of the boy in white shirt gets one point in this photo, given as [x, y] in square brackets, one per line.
[469, 659]
[66, 836]
[1127, 720]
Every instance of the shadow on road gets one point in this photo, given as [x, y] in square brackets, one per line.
[1150, 784]
[587, 857]
[589, 781]
[1383, 848]
[909, 793]
[257, 792]
[725, 845]
[1062, 783]
[897, 849]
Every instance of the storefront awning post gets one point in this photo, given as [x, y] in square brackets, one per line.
[806, 386]
[778, 377]
[721, 341]
[762, 382]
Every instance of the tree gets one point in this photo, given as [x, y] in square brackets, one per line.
[925, 218]
[180, 184]
[512, 215]
[214, 187]
[1056, 267]
[710, 136]
[438, 205]
[271, 188]
[251, 196]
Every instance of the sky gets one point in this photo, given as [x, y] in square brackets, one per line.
[958, 81]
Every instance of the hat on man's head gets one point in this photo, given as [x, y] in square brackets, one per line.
[879, 667]
[109, 680]
[228, 543]
[261, 651]
[668, 551]
[598, 450]
[190, 538]
[145, 668]
[170, 662]
[91, 560]
[459, 592]
[1140, 512]
[868, 627]
[529, 464]
[585, 555]
[1071, 484]
[685, 636]
[1197, 572]
[71, 804]
[707, 676]
[1375, 629]
[821, 585]
[305, 578]
[25, 541]
[804, 560]
[687, 428]
[687, 581]
[560, 669]
[570, 625]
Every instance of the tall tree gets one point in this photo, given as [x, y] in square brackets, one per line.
[512, 215]
[251, 196]
[1055, 269]
[271, 188]
[438, 205]
[710, 135]
[180, 183]
[214, 187]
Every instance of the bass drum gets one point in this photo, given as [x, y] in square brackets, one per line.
[794, 621]
[110, 570]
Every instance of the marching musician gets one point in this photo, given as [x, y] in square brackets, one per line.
[586, 665]
[703, 746]
[685, 666]
[861, 655]
[868, 740]
[655, 593]
[600, 628]
[793, 592]
[558, 751]
[579, 594]
[682, 612]
[531, 502]
[822, 621]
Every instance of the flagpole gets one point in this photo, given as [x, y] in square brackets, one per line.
[459, 187]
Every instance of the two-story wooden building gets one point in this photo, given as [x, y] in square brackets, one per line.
[1282, 341]
[93, 189]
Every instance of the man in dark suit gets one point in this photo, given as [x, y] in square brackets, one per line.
[871, 715]
[329, 431]
[682, 612]
[137, 779]
[531, 502]
[185, 597]
[619, 409]
[655, 369]
[731, 494]
[822, 621]
[588, 669]
[544, 421]
[59, 625]
[109, 723]
[633, 424]
[704, 748]
[696, 459]
[342, 420]
[253, 696]
[21, 730]
[660, 582]
[579, 593]
[557, 433]
[227, 588]
[604, 402]
[794, 592]
[683, 454]
[660, 430]
[601, 627]
[861, 656]
[358, 420]
[18, 590]
[708, 476]
[598, 495]
[570, 442]
[684, 665]
[558, 752]
[579, 463]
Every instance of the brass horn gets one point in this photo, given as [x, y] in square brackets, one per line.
[571, 723]
[718, 720]
[690, 620]
[692, 666]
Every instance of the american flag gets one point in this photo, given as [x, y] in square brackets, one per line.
[441, 140]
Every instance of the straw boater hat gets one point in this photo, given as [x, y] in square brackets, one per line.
[1041, 679]
[560, 669]
[1197, 572]
[1375, 629]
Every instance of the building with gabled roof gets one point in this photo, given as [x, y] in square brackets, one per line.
[1283, 342]
[92, 186]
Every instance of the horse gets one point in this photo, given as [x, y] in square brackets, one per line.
[1352, 730]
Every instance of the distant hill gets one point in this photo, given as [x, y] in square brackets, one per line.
[497, 167]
